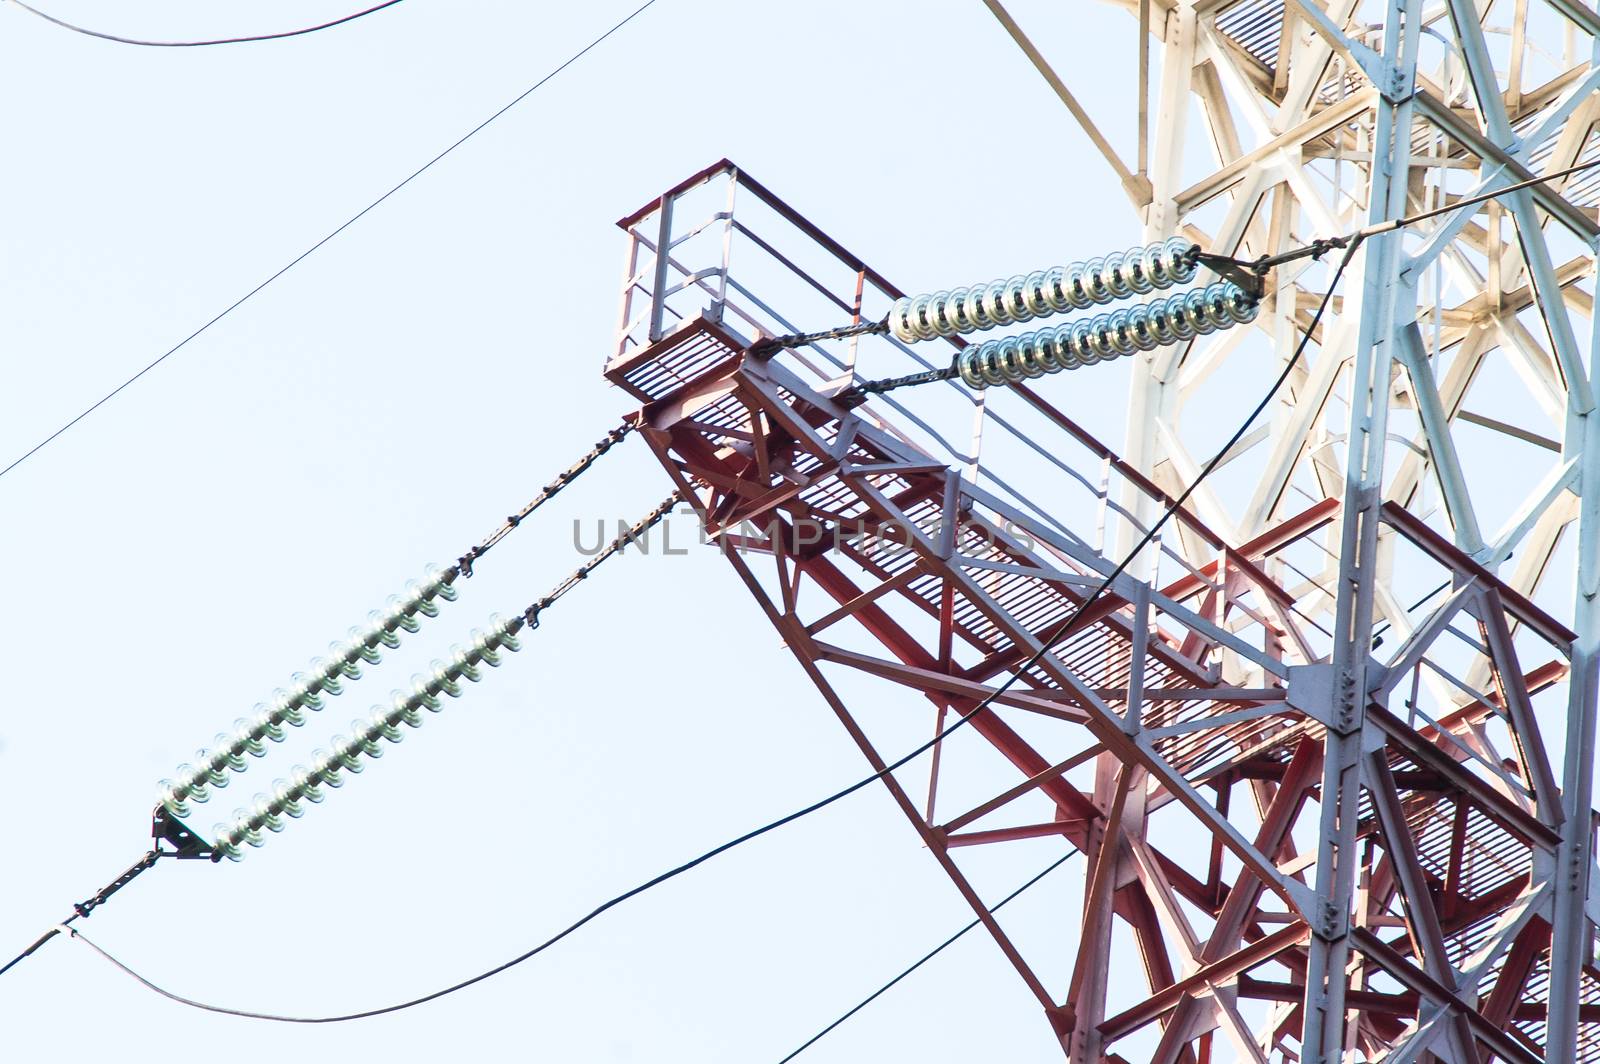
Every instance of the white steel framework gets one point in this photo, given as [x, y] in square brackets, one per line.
[1320, 118]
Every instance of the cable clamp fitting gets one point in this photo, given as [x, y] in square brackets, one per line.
[1247, 275]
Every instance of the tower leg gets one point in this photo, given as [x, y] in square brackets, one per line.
[1328, 953]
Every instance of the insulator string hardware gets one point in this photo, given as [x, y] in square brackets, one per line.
[889, 384]
[1012, 359]
[1248, 273]
[1350, 243]
[1135, 272]
[1085, 341]
[349, 754]
[83, 909]
[214, 767]
[633, 534]
[771, 345]
[548, 492]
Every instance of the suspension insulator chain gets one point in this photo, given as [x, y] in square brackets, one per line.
[1079, 286]
[214, 767]
[349, 754]
[329, 767]
[548, 492]
[1085, 341]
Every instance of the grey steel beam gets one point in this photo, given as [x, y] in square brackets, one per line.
[1328, 950]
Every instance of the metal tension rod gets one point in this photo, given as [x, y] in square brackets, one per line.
[185, 846]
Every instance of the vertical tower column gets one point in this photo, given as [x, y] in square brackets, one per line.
[1376, 268]
[1572, 941]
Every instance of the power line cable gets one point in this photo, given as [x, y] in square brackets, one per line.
[36, 448]
[89, 905]
[201, 44]
[1064, 628]
[925, 958]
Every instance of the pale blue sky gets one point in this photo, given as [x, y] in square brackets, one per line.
[183, 551]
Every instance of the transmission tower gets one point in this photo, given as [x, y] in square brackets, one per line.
[1326, 746]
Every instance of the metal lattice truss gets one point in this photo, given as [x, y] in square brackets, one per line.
[1452, 388]
[1183, 704]
[1327, 748]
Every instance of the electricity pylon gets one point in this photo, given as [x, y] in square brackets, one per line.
[1327, 746]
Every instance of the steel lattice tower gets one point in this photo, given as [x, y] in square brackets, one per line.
[1327, 748]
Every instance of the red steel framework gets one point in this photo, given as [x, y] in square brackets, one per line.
[1177, 740]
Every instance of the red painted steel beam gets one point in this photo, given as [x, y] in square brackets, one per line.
[1219, 971]
[755, 442]
[1447, 554]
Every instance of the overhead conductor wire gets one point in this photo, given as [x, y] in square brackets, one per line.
[926, 957]
[175, 348]
[84, 908]
[203, 44]
[1062, 631]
